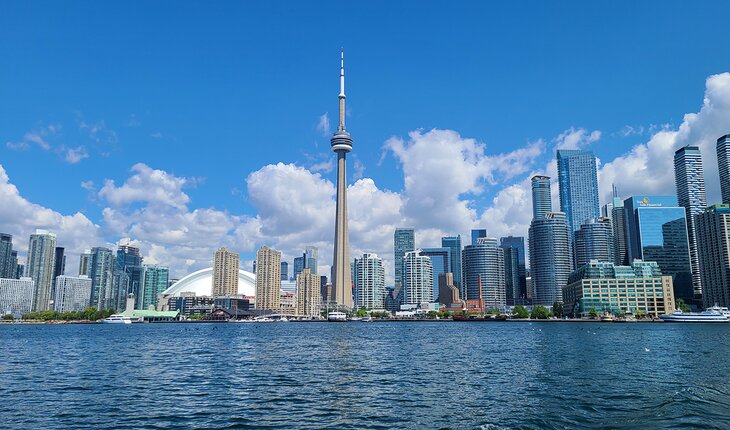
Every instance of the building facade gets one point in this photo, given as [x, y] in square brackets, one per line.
[542, 200]
[127, 279]
[8, 262]
[308, 294]
[517, 243]
[85, 263]
[418, 278]
[477, 233]
[72, 293]
[16, 296]
[448, 293]
[404, 241]
[578, 182]
[723, 166]
[225, 273]
[440, 262]
[40, 266]
[369, 282]
[454, 245]
[594, 241]
[268, 279]
[484, 272]
[713, 239]
[101, 267]
[550, 257]
[154, 281]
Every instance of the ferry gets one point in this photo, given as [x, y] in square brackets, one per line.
[117, 319]
[720, 310]
[692, 317]
[337, 317]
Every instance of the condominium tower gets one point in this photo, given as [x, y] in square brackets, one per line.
[417, 278]
[225, 273]
[723, 165]
[268, 279]
[308, 293]
[578, 182]
[542, 202]
[40, 267]
[713, 239]
[404, 241]
[369, 282]
[484, 272]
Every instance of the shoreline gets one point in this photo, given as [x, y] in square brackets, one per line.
[399, 320]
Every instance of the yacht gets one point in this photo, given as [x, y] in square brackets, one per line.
[692, 317]
[117, 319]
[337, 317]
[720, 310]
[607, 317]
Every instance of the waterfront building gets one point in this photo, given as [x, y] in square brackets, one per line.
[723, 165]
[189, 304]
[101, 267]
[713, 239]
[85, 263]
[454, 245]
[517, 243]
[483, 268]
[448, 293]
[200, 283]
[311, 255]
[72, 293]
[40, 266]
[268, 279]
[369, 282]
[594, 241]
[418, 278]
[284, 271]
[341, 144]
[511, 275]
[542, 200]
[153, 283]
[476, 234]
[404, 241]
[690, 181]
[16, 296]
[657, 231]
[308, 294]
[550, 257]
[225, 272]
[8, 261]
[605, 287]
[440, 263]
[616, 213]
[578, 183]
[127, 275]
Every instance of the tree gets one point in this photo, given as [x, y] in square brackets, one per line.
[540, 312]
[8, 317]
[681, 305]
[362, 312]
[593, 313]
[558, 309]
[520, 311]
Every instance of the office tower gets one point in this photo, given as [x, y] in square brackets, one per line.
[550, 257]
[723, 166]
[153, 282]
[268, 279]
[101, 268]
[225, 273]
[308, 294]
[578, 182]
[657, 231]
[483, 270]
[440, 263]
[713, 239]
[341, 144]
[369, 282]
[593, 241]
[72, 293]
[299, 263]
[40, 266]
[16, 296]
[448, 293]
[404, 241]
[605, 287]
[59, 268]
[127, 276]
[518, 243]
[617, 214]
[476, 234]
[690, 181]
[7, 268]
[85, 263]
[417, 278]
[284, 271]
[511, 275]
[311, 255]
[20, 268]
[454, 245]
[542, 200]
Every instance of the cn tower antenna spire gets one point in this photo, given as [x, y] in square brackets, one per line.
[341, 127]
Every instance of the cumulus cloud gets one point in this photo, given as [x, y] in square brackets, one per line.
[152, 186]
[576, 138]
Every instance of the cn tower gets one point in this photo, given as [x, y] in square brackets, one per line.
[341, 144]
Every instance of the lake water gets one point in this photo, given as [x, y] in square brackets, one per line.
[357, 375]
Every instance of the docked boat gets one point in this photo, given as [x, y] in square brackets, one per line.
[117, 319]
[695, 317]
[720, 310]
[337, 317]
[607, 317]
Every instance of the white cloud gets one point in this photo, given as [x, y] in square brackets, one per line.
[576, 138]
[323, 124]
[155, 187]
[87, 185]
[74, 155]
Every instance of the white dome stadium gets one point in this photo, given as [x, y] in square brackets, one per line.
[201, 283]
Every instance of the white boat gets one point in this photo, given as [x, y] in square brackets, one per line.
[117, 319]
[720, 310]
[337, 317]
[692, 317]
[607, 317]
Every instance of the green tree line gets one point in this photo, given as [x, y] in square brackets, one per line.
[88, 314]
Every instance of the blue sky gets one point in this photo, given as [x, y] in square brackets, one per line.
[215, 92]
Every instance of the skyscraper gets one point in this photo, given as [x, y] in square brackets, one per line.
[441, 264]
[299, 263]
[454, 245]
[417, 278]
[594, 241]
[483, 269]
[225, 273]
[72, 293]
[7, 268]
[268, 279]
[723, 165]
[542, 201]
[154, 282]
[690, 181]
[448, 293]
[517, 243]
[40, 266]
[311, 255]
[617, 215]
[341, 144]
[404, 241]
[127, 275]
[369, 282]
[101, 267]
[308, 293]
[713, 239]
[284, 271]
[85, 263]
[550, 257]
[511, 275]
[657, 231]
[477, 233]
[578, 182]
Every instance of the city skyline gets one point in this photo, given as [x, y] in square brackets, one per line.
[428, 163]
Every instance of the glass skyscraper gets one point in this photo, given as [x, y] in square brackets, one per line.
[551, 260]
[657, 231]
[404, 241]
[483, 266]
[723, 166]
[440, 263]
[542, 202]
[517, 243]
[593, 241]
[578, 182]
[454, 245]
[101, 267]
[369, 282]
[7, 263]
[40, 267]
[690, 181]
[154, 282]
[713, 238]
[476, 234]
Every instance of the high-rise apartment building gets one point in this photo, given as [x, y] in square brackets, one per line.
[311, 255]
[517, 243]
[619, 231]
[59, 268]
[8, 263]
[154, 281]
[454, 245]
[723, 165]
[594, 241]
[299, 263]
[440, 261]
[578, 182]
[511, 275]
[16, 296]
[85, 263]
[101, 267]
[713, 239]
[483, 268]
[308, 294]
[690, 181]
[127, 275]
[72, 293]
[542, 200]
[40, 266]
[417, 278]
[477, 233]
[550, 257]
[284, 271]
[268, 279]
[369, 282]
[225, 273]
[404, 241]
